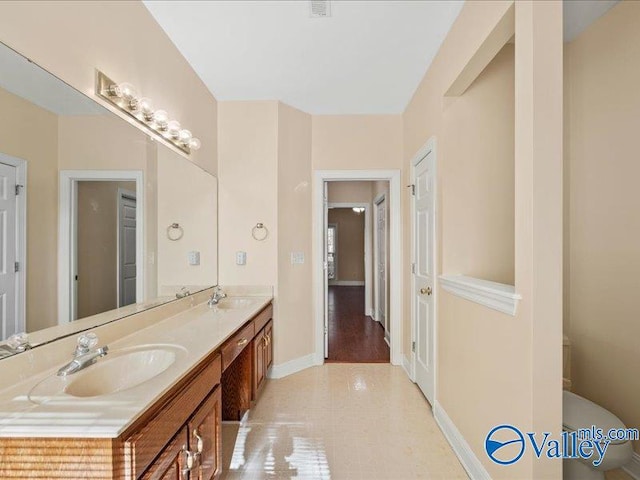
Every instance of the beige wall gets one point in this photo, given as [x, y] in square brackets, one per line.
[187, 195]
[343, 142]
[98, 246]
[294, 331]
[248, 174]
[475, 342]
[350, 252]
[73, 38]
[478, 235]
[603, 75]
[18, 121]
[265, 176]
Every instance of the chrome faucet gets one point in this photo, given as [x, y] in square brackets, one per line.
[217, 295]
[85, 354]
[19, 342]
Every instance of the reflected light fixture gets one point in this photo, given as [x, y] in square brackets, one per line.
[125, 98]
[358, 210]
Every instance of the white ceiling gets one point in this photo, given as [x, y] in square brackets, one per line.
[27, 80]
[367, 58]
[579, 14]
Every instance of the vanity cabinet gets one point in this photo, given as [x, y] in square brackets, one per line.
[192, 412]
[177, 438]
[262, 357]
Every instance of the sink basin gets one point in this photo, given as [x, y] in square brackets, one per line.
[232, 303]
[113, 375]
[120, 370]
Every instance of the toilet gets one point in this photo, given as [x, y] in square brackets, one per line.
[578, 413]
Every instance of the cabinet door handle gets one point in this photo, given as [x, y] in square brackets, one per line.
[189, 460]
[200, 444]
[242, 342]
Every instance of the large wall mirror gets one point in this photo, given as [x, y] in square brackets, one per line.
[97, 219]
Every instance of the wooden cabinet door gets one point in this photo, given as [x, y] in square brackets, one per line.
[268, 349]
[259, 367]
[204, 438]
[170, 463]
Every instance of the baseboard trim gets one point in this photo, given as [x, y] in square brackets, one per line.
[346, 283]
[633, 467]
[292, 366]
[461, 448]
[408, 367]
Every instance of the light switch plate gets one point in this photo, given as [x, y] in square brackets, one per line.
[241, 258]
[297, 258]
[194, 258]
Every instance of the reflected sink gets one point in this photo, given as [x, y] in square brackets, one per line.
[232, 303]
[118, 371]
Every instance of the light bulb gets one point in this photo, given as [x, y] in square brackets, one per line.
[145, 105]
[173, 128]
[185, 136]
[127, 91]
[161, 117]
[194, 144]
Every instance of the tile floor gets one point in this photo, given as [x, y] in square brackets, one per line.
[340, 421]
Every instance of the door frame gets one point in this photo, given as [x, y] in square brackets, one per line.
[123, 193]
[428, 148]
[376, 238]
[67, 224]
[21, 238]
[395, 245]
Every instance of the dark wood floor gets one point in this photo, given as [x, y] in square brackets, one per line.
[353, 337]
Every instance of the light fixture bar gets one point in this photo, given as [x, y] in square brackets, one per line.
[124, 97]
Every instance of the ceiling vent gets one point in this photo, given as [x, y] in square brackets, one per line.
[320, 8]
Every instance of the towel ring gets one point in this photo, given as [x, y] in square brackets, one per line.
[174, 232]
[259, 232]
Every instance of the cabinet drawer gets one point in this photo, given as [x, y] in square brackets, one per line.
[150, 439]
[263, 318]
[232, 347]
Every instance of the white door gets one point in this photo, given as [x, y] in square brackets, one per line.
[127, 248]
[325, 265]
[381, 265]
[8, 243]
[424, 277]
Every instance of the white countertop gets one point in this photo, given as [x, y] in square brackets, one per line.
[193, 335]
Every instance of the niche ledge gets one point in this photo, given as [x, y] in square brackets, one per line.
[497, 296]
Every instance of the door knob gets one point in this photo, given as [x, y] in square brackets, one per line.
[426, 290]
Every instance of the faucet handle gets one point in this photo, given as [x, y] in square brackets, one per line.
[19, 342]
[87, 341]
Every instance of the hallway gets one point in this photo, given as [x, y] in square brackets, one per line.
[353, 337]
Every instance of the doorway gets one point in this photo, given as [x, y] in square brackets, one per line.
[13, 218]
[353, 333]
[354, 297]
[101, 233]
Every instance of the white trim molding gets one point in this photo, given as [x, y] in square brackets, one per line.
[293, 366]
[407, 364]
[633, 467]
[497, 296]
[461, 448]
[346, 283]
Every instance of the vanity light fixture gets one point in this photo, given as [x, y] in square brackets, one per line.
[125, 98]
[358, 210]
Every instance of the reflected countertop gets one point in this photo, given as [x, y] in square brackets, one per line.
[195, 333]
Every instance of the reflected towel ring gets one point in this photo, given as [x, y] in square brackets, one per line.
[174, 232]
[259, 232]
